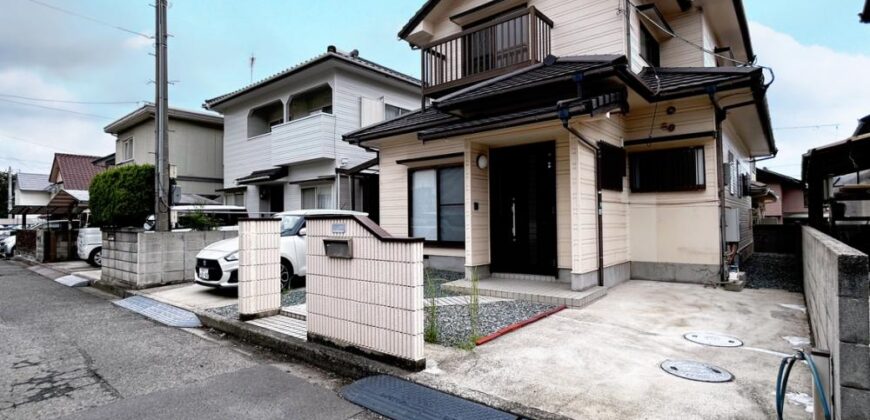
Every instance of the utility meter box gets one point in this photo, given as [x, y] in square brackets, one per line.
[732, 225]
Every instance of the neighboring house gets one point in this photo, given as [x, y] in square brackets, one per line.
[837, 176]
[195, 146]
[31, 196]
[70, 179]
[499, 173]
[282, 135]
[789, 205]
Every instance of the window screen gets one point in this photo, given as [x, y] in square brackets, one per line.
[668, 170]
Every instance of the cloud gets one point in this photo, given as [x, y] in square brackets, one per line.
[814, 85]
[137, 42]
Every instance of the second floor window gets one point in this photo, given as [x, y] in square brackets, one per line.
[263, 118]
[127, 149]
[392, 111]
[649, 48]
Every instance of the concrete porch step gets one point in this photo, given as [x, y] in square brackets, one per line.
[299, 312]
[284, 325]
[517, 276]
[551, 293]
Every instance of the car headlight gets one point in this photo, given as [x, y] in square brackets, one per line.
[232, 257]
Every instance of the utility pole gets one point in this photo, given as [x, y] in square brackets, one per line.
[161, 173]
[9, 196]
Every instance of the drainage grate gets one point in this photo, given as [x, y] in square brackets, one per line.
[713, 339]
[696, 371]
[72, 281]
[160, 312]
[400, 399]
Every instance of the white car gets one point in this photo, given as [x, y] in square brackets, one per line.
[217, 265]
[7, 247]
[89, 246]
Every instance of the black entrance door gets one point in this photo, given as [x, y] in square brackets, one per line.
[522, 182]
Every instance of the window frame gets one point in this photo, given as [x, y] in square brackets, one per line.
[701, 184]
[438, 242]
[127, 144]
[646, 43]
[401, 111]
[316, 188]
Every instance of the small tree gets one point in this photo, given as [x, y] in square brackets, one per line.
[122, 196]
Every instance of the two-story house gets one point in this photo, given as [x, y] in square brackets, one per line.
[789, 205]
[282, 135]
[584, 141]
[195, 146]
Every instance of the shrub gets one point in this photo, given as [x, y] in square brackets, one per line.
[122, 196]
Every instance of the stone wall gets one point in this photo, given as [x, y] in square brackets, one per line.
[136, 260]
[836, 283]
[365, 289]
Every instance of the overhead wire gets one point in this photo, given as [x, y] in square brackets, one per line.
[92, 19]
[64, 101]
[84, 114]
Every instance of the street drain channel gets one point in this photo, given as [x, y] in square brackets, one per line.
[712, 339]
[696, 371]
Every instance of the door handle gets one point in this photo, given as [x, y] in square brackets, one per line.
[514, 219]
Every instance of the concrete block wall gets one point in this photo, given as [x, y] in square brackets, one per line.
[259, 268]
[137, 260]
[837, 289]
[372, 302]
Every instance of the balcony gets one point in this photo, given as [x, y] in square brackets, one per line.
[507, 43]
[303, 140]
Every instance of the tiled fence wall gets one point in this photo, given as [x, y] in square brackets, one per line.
[259, 268]
[370, 300]
[137, 260]
[836, 283]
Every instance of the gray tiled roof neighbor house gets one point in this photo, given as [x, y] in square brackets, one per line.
[33, 182]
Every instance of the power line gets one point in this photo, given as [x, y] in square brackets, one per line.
[799, 127]
[84, 114]
[95, 20]
[36, 143]
[28, 98]
[23, 160]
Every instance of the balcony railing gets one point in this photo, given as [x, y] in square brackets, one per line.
[507, 43]
[306, 139]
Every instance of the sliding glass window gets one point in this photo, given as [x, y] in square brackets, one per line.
[438, 205]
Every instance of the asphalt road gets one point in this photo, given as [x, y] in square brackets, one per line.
[68, 352]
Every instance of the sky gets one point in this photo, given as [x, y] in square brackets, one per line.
[63, 77]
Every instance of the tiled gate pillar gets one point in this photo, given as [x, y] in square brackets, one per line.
[259, 268]
[364, 289]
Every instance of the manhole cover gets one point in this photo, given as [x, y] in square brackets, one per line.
[696, 371]
[712, 339]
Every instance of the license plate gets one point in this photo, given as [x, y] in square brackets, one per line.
[203, 273]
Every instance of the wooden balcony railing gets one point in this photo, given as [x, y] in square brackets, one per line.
[507, 43]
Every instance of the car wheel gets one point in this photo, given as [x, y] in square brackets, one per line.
[286, 275]
[96, 257]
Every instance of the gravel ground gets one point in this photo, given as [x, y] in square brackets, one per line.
[766, 270]
[438, 278]
[454, 322]
[293, 297]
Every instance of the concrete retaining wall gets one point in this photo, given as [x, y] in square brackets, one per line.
[369, 299]
[138, 260]
[836, 286]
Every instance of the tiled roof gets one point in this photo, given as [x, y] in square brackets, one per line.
[146, 112]
[330, 54]
[32, 182]
[674, 79]
[556, 68]
[76, 171]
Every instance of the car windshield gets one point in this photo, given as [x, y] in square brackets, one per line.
[289, 225]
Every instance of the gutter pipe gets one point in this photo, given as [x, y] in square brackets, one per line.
[565, 115]
[720, 115]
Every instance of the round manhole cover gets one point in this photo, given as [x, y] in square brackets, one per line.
[713, 339]
[696, 371]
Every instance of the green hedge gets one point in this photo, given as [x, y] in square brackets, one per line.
[122, 196]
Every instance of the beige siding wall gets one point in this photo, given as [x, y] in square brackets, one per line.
[733, 144]
[394, 181]
[476, 221]
[676, 53]
[675, 227]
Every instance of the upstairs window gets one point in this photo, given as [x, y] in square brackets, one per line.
[668, 170]
[392, 111]
[311, 102]
[127, 150]
[263, 118]
[649, 47]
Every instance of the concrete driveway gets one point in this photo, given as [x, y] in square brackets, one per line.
[602, 361]
[78, 267]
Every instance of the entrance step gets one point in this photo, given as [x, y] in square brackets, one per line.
[295, 311]
[284, 325]
[397, 398]
[551, 293]
[518, 276]
[461, 300]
